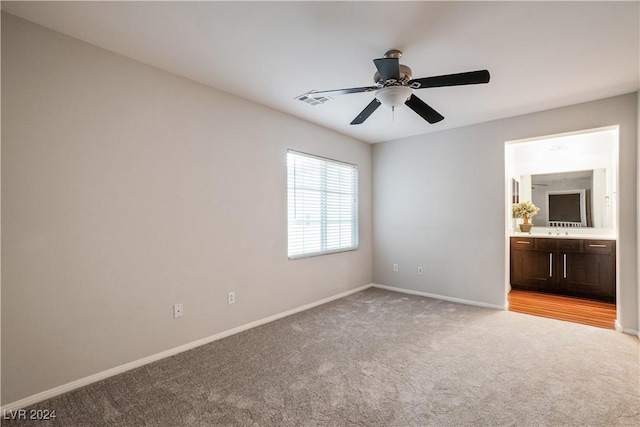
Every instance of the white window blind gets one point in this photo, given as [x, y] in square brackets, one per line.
[322, 204]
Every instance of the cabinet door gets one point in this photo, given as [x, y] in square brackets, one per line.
[534, 270]
[588, 275]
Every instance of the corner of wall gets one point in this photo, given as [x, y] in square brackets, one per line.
[638, 200]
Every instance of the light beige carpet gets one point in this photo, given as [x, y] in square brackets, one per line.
[379, 358]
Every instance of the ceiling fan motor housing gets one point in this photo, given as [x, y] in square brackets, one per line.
[405, 76]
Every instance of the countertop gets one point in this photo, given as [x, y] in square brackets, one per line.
[566, 234]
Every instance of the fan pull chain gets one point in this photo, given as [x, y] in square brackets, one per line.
[393, 113]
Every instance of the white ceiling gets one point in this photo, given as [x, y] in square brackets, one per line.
[541, 55]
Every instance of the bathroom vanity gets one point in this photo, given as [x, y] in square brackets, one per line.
[581, 266]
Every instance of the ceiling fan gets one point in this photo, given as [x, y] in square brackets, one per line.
[394, 85]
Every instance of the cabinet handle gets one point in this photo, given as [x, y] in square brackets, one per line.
[597, 246]
[550, 264]
[520, 241]
[564, 272]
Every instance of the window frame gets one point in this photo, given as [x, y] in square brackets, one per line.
[354, 216]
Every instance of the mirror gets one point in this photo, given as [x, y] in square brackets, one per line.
[571, 199]
[571, 177]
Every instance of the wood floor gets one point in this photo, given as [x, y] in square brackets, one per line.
[588, 312]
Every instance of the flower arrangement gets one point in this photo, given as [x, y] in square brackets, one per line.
[524, 210]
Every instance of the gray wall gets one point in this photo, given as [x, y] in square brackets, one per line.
[127, 189]
[439, 202]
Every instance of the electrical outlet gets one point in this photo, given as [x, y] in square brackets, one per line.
[231, 297]
[420, 271]
[395, 267]
[177, 311]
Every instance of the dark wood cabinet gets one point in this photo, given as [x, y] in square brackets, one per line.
[533, 269]
[577, 267]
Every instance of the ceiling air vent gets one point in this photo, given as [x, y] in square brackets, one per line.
[313, 100]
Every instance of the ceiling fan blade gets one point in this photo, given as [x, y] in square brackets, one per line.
[459, 79]
[423, 110]
[368, 110]
[320, 94]
[389, 68]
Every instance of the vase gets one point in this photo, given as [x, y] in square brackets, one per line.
[525, 227]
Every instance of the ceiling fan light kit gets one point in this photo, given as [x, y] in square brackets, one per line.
[392, 96]
[394, 86]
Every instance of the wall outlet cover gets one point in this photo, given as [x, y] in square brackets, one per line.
[177, 311]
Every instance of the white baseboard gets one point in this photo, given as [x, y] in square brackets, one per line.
[628, 331]
[442, 297]
[47, 394]
[618, 326]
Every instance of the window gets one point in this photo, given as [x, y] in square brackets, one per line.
[323, 205]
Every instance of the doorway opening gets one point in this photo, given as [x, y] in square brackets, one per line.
[563, 265]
